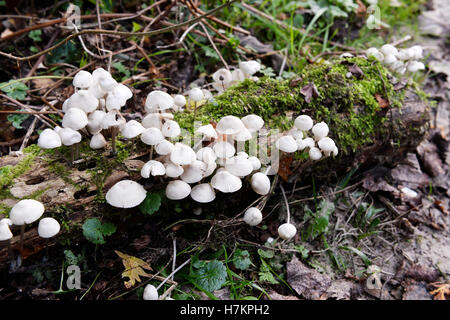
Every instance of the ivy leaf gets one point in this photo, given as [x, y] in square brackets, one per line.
[151, 203]
[241, 259]
[94, 230]
[134, 269]
[211, 276]
[15, 90]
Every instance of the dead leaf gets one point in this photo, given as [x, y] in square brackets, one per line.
[284, 170]
[383, 103]
[309, 91]
[133, 269]
[356, 71]
[362, 9]
[442, 290]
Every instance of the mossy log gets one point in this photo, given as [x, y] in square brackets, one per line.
[372, 117]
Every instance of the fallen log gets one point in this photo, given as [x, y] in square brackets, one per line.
[373, 118]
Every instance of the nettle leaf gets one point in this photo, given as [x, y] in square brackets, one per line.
[95, 231]
[15, 90]
[241, 259]
[211, 276]
[151, 204]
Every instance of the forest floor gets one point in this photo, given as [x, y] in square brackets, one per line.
[377, 233]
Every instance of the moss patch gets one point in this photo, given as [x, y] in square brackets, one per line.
[347, 104]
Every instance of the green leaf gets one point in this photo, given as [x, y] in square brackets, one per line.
[35, 35]
[67, 53]
[241, 259]
[15, 90]
[122, 69]
[303, 251]
[266, 275]
[266, 253]
[17, 119]
[151, 203]
[94, 230]
[212, 276]
[359, 253]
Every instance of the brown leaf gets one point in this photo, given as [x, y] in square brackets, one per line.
[284, 170]
[356, 71]
[381, 101]
[442, 290]
[133, 269]
[309, 91]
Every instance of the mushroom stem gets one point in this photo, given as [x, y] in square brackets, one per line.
[22, 231]
[72, 154]
[195, 110]
[287, 204]
[113, 140]
[10, 251]
[151, 152]
[77, 151]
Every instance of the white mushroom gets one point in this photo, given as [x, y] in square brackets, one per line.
[256, 163]
[193, 172]
[84, 100]
[48, 227]
[374, 52]
[75, 119]
[389, 49]
[164, 148]
[252, 216]
[286, 144]
[253, 122]
[229, 125]
[177, 190]
[226, 182]
[249, 67]
[206, 155]
[203, 193]
[303, 122]
[179, 100]
[327, 145]
[224, 149]
[154, 168]
[26, 211]
[260, 183]
[152, 136]
[287, 231]
[173, 170]
[49, 139]
[150, 293]
[69, 136]
[132, 129]
[5, 232]
[171, 129]
[182, 154]
[158, 100]
[152, 120]
[239, 166]
[207, 131]
[320, 130]
[196, 95]
[95, 121]
[83, 79]
[243, 135]
[315, 154]
[126, 194]
[98, 141]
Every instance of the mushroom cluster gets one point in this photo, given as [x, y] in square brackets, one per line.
[400, 61]
[224, 78]
[93, 108]
[308, 136]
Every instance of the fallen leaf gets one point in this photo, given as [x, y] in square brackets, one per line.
[284, 170]
[442, 290]
[309, 91]
[133, 269]
[356, 71]
[383, 103]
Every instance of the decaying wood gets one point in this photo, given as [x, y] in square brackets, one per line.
[58, 193]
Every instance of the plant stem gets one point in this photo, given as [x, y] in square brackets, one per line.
[113, 140]
[288, 220]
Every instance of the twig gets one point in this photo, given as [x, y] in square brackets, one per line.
[42, 118]
[214, 46]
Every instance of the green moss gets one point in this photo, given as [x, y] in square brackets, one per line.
[348, 105]
[9, 173]
[4, 210]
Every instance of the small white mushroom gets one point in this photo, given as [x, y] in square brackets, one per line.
[132, 129]
[260, 183]
[287, 231]
[256, 163]
[303, 122]
[171, 129]
[193, 172]
[152, 136]
[164, 148]
[126, 194]
[239, 166]
[374, 52]
[243, 135]
[320, 130]
[152, 120]
[315, 154]
[5, 232]
[207, 131]
[98, 141]
[415, 66]
[286, 144]
[253, 122]
[83, 79]
[179, 100]
[182, 154]
[48, 227]
[226, 182]
[389, 49]
[95, 121]
[69, 136]
[177, 190]
[49, 139]
[249, 67]
[84, 100]
[154, 168]
[327, 145]
[224, 149]
[26, 211]
[203, 193]
[158, 100]
[150, 293]
[223, 76]
[252, 216]
[229, 125]
[173, 170]
[75, 119]
[196, 94]
[206, 155]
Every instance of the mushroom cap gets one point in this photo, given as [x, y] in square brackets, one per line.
[229, 125]
[182, 154]
[69, 136]
[253, 122]
[98, 141]
[152, 136]
[249, 67]
[415, 66]
[177, 190]
[303, 122]
[260, 183]
[203, 193]
[132, 129]
[210, 168]
[174, 170]
[158, 100]
[286, 144]
[206, 154]
[252, 216]
[26, 211]
[171, 129]
[83, 79]
[417, 52]
[150, 293]
[224, 149]
[315, 154]
[309, 142]
[5, 232]
[152, 120]
[326, 144]
[208, 131]
[179, 100]
[243, 135]
[388, 49]
[196, 94]
[75, 119]
[256, 163]
[239, 166]
[126, 194]
[374, 52]
[223, 76]
[84, 100]
[237, 75]
[390, 59]
[48, 227]
[194, 172]
[226, 182]
[49, 139]
[287, 231]
[164, 148]
[97, 91]
[320, 130]
[297, 134]
[95, 120]
[154, 168]
[107, 82]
